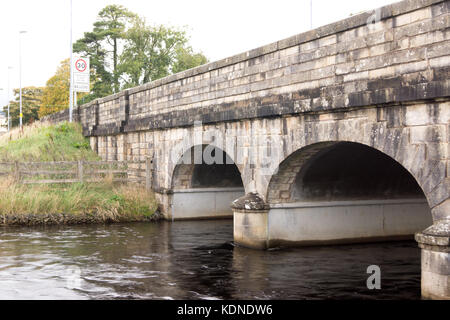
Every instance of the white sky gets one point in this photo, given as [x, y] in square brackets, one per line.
[217, 28]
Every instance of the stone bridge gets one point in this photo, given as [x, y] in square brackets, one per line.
[339, 134]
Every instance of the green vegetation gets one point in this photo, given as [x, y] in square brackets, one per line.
[55, 95]
[99, 202]
[125, 51]
[41, 143]
[31, 101]
[87, 202]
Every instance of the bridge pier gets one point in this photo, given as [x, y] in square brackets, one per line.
[251, 222]
[435, 244]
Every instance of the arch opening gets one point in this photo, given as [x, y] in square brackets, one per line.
[350, 171]
[205, 182]
[344, 192]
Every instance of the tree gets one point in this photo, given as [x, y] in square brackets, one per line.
[125, 52]
[185, 58]
[102, 42]
[31, 101]
[151, 53]
[101, 79]
[55, 95]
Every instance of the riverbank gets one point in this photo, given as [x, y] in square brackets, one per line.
[42, 142]
[71, 203]
[76, 203]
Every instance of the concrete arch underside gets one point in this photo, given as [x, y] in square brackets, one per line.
[205, 181]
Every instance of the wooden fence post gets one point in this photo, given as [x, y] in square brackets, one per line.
[148, 173]
[16, 171]
[80, 170]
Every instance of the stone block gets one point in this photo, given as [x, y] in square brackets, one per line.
[417, 115]
[412, 17]
[438, 151]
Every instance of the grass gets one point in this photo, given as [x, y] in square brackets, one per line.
[81, 202]
[105, 201]
[42, 142]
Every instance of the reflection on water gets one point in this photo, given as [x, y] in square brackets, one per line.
[192, 260]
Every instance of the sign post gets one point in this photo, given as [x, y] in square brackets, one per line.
[71, 68]
[81, 74]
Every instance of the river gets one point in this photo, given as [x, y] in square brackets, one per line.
[192, 260]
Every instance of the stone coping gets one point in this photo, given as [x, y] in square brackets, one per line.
[436, 237]
[325, 204]
[204, 190]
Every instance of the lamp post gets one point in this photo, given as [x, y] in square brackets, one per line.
[7, 95]
[1, 89]
[20, 78]
[71, 68]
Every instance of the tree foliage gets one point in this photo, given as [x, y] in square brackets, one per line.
[110, 27]
[185, 58]
[55, 95]
[101, 79]
[102, 45]
[31, 102]
[149, 52]
[125, 51]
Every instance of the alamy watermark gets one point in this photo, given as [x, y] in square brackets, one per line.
[374, 280]
[374, 18]
[235, 146]
[73, 277]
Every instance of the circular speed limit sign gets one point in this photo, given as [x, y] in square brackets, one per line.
[80, 65]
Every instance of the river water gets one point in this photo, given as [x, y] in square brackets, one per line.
[192, 260]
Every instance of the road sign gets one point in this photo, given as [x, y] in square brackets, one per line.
[81, 74]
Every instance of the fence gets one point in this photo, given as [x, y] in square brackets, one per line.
[79, 171]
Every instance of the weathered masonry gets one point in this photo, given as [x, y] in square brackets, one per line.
[339, 134]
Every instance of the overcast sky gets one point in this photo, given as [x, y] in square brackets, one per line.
[217, 28]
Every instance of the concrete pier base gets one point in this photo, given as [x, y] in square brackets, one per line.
[330, 222]
[251, 228]
[316, 223]
[435, 244]
[203, 203]
[251, 222]
[164, 199]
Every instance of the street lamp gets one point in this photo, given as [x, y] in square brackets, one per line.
[71, 69]
[20, 77]
[7, 95]
[1, 89]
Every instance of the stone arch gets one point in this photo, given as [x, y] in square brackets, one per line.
[314, 172]
[340, 191]
[428, 173]
[283, 186]
[191, 166]
[204, 183]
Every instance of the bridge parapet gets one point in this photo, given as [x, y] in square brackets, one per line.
[395, 54]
